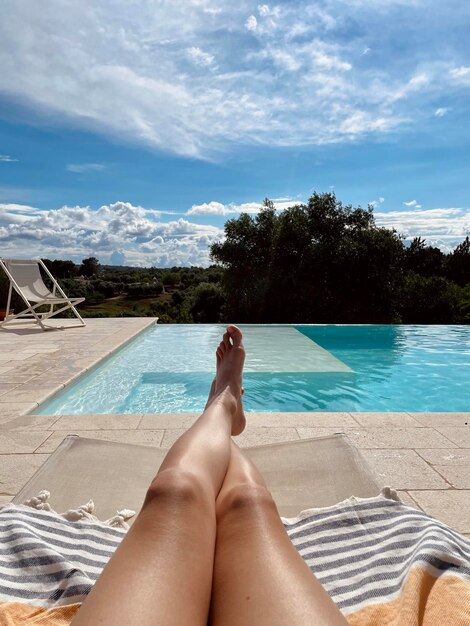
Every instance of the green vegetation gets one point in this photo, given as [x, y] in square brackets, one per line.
[181, 295]
[321, 262]
[327, 263]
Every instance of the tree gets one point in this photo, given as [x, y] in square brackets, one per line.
[423, 259]
[90, 267]
[458, 263]
[320, 262]
[433, 300]
[208, 303]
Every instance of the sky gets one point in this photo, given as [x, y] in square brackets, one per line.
[131, 131]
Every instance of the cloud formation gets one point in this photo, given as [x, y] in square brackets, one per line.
[122, 233]
[166, 74]
[6, 158]
[117, 232]
[83, 168]
[444, 228]
[413, 203]
[217, 208]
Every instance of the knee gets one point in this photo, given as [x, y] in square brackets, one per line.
[176, 487]
[245, 499]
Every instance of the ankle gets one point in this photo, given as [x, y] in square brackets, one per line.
[227, 399]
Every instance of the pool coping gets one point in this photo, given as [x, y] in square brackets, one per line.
[60, 370]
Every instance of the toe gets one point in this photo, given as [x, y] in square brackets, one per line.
[235, 334]
[226, 339]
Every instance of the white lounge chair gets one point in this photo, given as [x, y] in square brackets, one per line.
[25, 278]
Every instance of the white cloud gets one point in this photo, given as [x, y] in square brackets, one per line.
[413, 203]
[217, 208]
[251, 23]
[444, 228]
[440, 112]
[133, 71]
[330, 62]
[120, 232]
[82, 168]
[375, 203]
[461, 75]
[5, 158]
[416, 84]
[200, 58]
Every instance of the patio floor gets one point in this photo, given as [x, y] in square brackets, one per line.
[425, 456]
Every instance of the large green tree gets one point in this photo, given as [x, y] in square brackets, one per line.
[319, 262]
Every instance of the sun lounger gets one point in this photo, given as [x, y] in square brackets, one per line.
[25, 278]
[300, 474]
[378, 558]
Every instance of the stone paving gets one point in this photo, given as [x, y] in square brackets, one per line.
[425, 456]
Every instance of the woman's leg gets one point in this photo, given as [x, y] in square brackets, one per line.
[259, 577]
[162, 571]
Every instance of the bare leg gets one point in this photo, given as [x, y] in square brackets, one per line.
[162, 571]
[259, 577]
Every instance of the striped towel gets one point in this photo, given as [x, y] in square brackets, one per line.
[381, 561]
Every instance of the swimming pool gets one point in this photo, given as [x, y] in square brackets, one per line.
[169, 368]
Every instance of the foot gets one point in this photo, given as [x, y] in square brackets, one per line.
[227, 385]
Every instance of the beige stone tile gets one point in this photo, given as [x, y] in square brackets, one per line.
[52, 380]
[32, 385]
[437, 420]
[12, 377]
[16, 408]
[402, 469]
[451, 507]
[97, 422]
[313, 433]
[27, 422]
[392, 438]
[27, 395]
[407, 499]
[452, 456]
[303, 419]
[386, 420]
[453, 464]
[457, 475]
[460, 436]
[17, 469]
[15, 442]
[142, 437]
[167, 420]
[6, 387]
[5, 500]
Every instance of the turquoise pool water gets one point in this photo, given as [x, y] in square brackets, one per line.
[168, 369]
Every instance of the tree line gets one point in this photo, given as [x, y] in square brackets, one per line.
[323, 262]
[319, 262]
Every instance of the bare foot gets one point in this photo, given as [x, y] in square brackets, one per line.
[227, 385]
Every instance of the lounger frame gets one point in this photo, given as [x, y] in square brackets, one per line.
[30, 311]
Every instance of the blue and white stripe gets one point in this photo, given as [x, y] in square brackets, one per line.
[361, 551]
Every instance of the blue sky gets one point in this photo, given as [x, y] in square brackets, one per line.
[133, 131]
